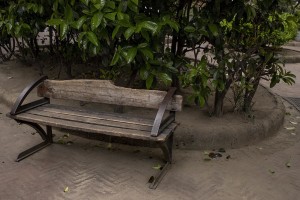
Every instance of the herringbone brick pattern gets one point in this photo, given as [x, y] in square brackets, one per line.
[91, 171]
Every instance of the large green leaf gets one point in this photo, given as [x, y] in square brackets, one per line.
[133, 7]
[152, 26]
[111, 16]
[93, 38]
[147, 53]
[68, 13]
[165, 78]
[173, 25]
[86, 2]
[111, 4]
[213, 29]
[63, 28]
[189, 29]
[99, 4]
[136, 2]
[149, 81]
[131, 53]
[115, 31]
[55, 22]
[115, 59]
[96, 20]
[145, 35]
[128, 33]
[144, 73]
[78, 24]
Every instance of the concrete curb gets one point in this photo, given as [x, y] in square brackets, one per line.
[192, 137]
[234, 136]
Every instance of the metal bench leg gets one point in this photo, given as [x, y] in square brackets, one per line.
[167, 150]
[47, 137]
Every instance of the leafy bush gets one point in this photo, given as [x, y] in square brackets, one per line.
[148, 41]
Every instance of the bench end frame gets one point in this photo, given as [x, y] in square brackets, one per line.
[19, 108]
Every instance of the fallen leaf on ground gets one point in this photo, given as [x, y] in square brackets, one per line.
[70, 143]
[288, 164]
[206, 152]
[207, 159]
[151, 179]
[214, 155]
[294, 123]
[221, 150]
[10, 77]
[228, 157]
[61, 142]
[271, 171]
[157, 167]
[66, 189]
[290, 128]
[293, 134]
[66, 136]
[33, 133]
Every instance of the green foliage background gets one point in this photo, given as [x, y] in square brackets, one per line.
[233, 43]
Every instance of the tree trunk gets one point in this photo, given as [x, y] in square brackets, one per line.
[248, 97]
[219, 99]
[218, 104]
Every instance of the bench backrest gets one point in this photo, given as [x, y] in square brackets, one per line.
[104, 91]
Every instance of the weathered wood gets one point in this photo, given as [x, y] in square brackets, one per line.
[85, 117]
[103, 91]
[94, 128]
[124, 118]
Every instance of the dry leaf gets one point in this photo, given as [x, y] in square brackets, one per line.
[290, 128]
[207, 159]
[157, 167]
[288, 164]
[294, 123]
[271, 171]
[66, 189]
[293, 134]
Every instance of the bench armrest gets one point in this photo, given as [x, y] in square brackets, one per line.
[161, 112]
[18, 108]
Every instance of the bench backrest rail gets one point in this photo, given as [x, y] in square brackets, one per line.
[104, 91]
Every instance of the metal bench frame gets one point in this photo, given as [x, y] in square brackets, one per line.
[158, 126]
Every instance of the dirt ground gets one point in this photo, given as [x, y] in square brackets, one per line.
[91, 169]
[196, 131]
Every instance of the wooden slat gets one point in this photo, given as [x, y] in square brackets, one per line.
[103, 91]
[86, 127]
[98, 120]
[61, 109]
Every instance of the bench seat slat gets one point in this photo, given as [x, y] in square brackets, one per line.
[95, 128]
[83, 113]
[99, 120]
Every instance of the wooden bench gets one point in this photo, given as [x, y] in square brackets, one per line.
[158, 130]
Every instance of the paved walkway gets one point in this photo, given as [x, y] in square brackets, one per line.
[91, 170]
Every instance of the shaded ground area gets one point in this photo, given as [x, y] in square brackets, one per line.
[97, 170]
[267, 170]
